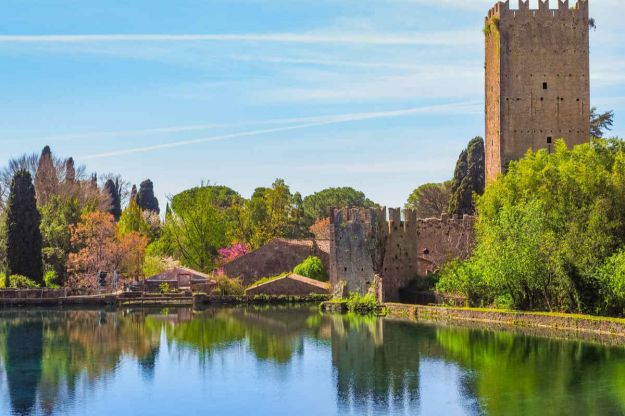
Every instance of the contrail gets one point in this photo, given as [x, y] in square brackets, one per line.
[312, 122]
[433, 38]
[197, 127]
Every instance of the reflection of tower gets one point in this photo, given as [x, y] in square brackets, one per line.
[376, 366]
[23, 364]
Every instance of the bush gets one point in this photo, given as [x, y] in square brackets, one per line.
[611, 279]
[164, 287]
[313, 268]
[228, 287]
[362, 304]
[50, 279]
[21, 282]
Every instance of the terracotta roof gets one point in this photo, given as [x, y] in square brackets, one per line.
[171, 275]
[299, 278]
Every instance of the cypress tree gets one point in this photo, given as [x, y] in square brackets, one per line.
[70, 170]
[469, 178]
[46, 179]
[24, 241]
[133, 193]
[116, 203]
[146, 199]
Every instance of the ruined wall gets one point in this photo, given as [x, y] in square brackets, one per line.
[363, 242]
[352, 241]
[537, 80]
[277, 257]
[443, 239]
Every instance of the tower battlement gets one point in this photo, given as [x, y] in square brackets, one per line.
[537, 79]
[502, 10]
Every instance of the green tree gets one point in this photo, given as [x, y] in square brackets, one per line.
[469, 178]
[57, 217]
[600, 122]
[546, 226]
[196, 228]
[318, 205]
[298, 226]
[313, 268]
[430, 200]
[24, 241]
[132, 220]
[145, 197]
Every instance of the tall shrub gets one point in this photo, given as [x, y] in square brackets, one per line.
[24, 239]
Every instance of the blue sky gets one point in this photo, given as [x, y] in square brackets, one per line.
[378, 95]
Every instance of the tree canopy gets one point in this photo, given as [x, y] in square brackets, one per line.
[430, 200]
[469, 178]
[145, 197]
[600, 123]
[551, 233]
[317, 205]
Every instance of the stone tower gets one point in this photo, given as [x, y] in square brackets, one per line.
[537, 86]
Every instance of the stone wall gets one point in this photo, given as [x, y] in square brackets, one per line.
[33, 293]
[537, 80]
[365, 243]
[277, 257]
[292, 285]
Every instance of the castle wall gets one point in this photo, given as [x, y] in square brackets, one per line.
[364, 243]
[351, 244]
[441, 240]
[537, 80]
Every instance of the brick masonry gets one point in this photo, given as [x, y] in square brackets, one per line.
[364, 243]
[537, 80]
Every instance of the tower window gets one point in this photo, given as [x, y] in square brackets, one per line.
[549, 140]
[545, 86]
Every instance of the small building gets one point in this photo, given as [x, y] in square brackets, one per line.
[291, 284]
[181, 278]
[277, 257]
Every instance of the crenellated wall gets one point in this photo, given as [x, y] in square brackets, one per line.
[537, 79]
[364, 242]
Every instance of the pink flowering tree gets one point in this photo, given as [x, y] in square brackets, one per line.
[227, 254]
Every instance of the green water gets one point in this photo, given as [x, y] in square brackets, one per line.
[291, 361]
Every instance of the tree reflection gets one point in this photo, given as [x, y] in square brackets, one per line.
[513, 374]
[24, 351]
[49, 357]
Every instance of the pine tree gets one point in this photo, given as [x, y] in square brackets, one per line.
[469, 178]
[146, 199]
[116, 204]
[24, 241]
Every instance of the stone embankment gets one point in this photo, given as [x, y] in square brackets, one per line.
[501, 319]
[59, 297]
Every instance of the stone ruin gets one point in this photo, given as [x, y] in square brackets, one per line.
[370, 252]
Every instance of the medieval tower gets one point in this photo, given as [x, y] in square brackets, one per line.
[537, 86]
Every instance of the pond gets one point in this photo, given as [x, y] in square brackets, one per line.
[291, 361]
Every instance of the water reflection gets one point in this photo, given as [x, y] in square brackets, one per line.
[351, 364]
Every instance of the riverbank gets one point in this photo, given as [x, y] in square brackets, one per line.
[38, 297]
[565, 323]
